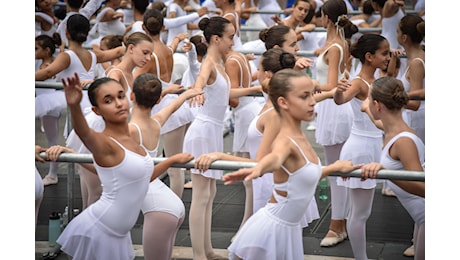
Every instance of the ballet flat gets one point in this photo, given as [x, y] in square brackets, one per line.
[48, 180]
[409, 251]
[332, 241]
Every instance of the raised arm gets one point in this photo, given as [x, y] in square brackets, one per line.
[94, 141]
[61, 62]
[168, 110]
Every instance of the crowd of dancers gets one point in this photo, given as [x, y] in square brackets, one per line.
[177, 71]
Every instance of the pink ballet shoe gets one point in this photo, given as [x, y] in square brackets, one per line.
[332, 241]
[388, 192]
[49, 180]
[188, 185]
[409, 251]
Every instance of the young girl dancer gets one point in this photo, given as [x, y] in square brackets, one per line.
[402, 150]
[365, 140]
[274, 232]
[102, 231]
[163, 210]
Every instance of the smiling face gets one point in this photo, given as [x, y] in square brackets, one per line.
[381, 58]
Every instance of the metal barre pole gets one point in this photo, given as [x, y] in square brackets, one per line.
[57, 85]
[317, 29]
[234, 165]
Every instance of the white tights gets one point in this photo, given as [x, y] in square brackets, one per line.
[90, 185]
[249, 199]
[159, 234]
[360, 209]
[51, 127]
[173, 143]
[339, 194]
[419, 241]
[200, 216]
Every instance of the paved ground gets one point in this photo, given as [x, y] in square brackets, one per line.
[389, 229]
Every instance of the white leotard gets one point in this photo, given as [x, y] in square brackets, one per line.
[333, 123]
[415, 119]
[205, 133]
[363, 146]
[414, 205]
[275, 232]
[102, 231]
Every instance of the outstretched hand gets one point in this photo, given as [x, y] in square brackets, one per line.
[244, 174]
[192, 92]
[73, 89]
[303, 63]
[197, 100]
[174, 89]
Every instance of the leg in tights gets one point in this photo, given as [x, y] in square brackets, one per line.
[51, 127]
[159, 234]
[200, 216]
[38, 202]
[173, 142]
[419, 241]
[339, 194]
[90, 185]
[249, 199]
[360, 210]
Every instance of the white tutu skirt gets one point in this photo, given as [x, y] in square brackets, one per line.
[267, 237]
[333, 122]
[83, 239]
[262, 189]
[244, 114]
[50, 103]
[311, 213]
[204, 136]
[360, 149]
[182, 116]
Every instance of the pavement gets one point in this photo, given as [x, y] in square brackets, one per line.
[389, 228]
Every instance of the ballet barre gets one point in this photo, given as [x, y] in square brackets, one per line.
[235, 165]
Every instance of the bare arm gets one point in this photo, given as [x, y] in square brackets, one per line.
[96, 142]
[271, 125]
[205, 160]
[271, 162]
[416, 77]
[167, 111]
[365, 109]
[234, 73]
[61, 62]
[108, 55]
[206, 71]
[332, 58]
[163, 166]
[347, 91]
